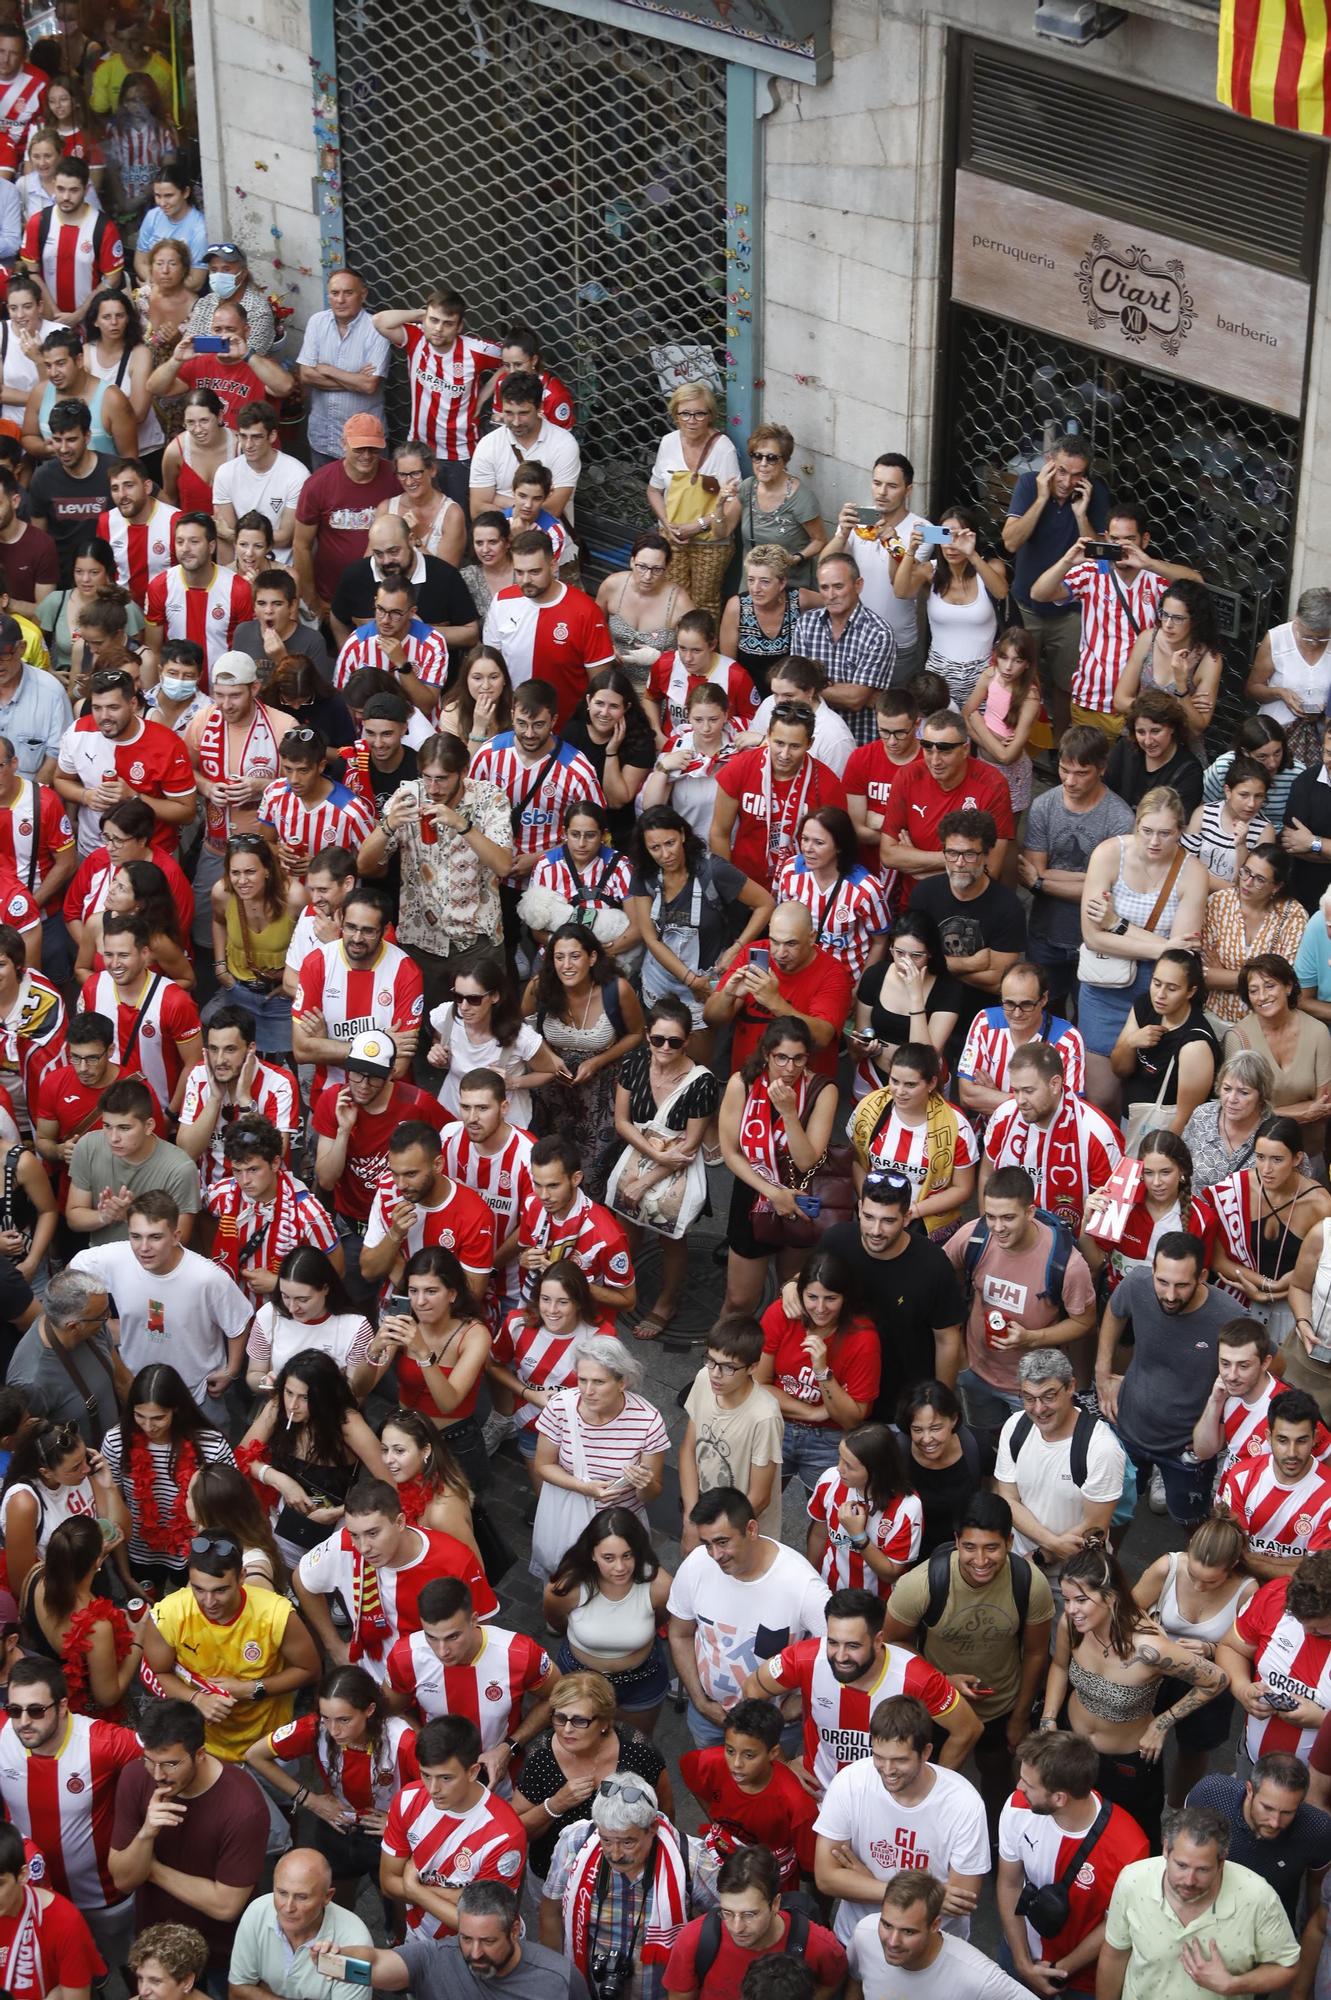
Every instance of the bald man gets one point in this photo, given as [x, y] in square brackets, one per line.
[788, 976]
[270, 1959]
[442, 598]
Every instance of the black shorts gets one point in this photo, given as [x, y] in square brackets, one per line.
[1206, 1728]
[739, 1229]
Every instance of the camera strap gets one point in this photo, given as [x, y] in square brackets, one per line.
[1068, 1875]
[1134, 625]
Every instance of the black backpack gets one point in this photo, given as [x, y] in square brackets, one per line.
[940, 1586]
[709, 1943]
[1081, 1442]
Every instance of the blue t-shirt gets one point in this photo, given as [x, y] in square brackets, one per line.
[1312, 960]
[1054, 533]
[190, 229]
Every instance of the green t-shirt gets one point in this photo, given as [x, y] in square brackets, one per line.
[978, 1632]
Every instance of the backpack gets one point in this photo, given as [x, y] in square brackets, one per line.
[940, 1586]
[1081, 1442]
[709, 1943]
[1056, 1265]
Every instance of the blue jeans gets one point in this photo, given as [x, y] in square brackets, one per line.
[987, 1408]
[808, 1450]
[1187, 1481]
[1102, 1010]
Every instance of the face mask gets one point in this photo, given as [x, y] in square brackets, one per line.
[175, 690]
[222, 284]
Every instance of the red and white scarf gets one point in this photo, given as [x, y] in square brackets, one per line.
[704, 763]
[25, 1944]
[667, 1897]
[262, 738]
[1233, 1202]
[370, 1628]
[266, 1239]
[762, 1130]
[781, 836]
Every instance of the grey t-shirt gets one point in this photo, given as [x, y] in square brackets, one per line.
[1173, 1364]
[50, 1387]
[1068, 839]
[960, 1971]
[94, 1166]
[305, 639]
[439, 1972]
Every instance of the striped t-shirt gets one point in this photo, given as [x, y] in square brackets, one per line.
[212, 1449]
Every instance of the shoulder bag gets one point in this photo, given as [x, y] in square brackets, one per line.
[1099, 968]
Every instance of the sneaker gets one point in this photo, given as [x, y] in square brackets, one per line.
[1155, 1493]
[497, 1429]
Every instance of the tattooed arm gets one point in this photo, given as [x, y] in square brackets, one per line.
[1205, 1681]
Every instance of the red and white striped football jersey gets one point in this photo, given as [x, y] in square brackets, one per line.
[988, 1049]
[604, 882]
[503, 1180]
[363, 1783]
[1278, 1520]
[488, 1691]
[32, 1035]
[540, 1359]
[589, 1234]
[151, 760]
[486, 1844]
[1107, 631]
[251, 1238]
[836, 1718]
[19, 828]
[170, 1018]
[275, 1100]
[18, 909]
[446, 384]
[355, 998]
[331, 1567]
[895, 1533]
[462, 1223]
[144, 550]
[1287, 1659]
[73, 258]
[907, 1147]
[22, 103]
[1068, 1159]
[422, 645]
[340, 820]
[1246, 1428]
[544, 807]
[209, 616]
[66, 1804]
[847, 917]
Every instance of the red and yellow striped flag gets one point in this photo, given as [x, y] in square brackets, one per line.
[1275, 62]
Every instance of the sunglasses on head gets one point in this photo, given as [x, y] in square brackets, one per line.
[207, 1545]
[110, 681]
[885, 1181]
[793, 711]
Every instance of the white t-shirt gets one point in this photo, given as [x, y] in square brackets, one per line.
[184, 1317]
[346, 1337]
[468, 1055]
[947, 1830]
[739, 1624]
[268, 493]
[875, 566]
[832, 740]
[959, 1972]
[1042, 1475]
[494, 462]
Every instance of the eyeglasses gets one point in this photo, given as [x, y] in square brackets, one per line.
[1251, 875]
[791, 1057]
[207, 1545]
[563, 1720]
[667, 1041]
[1020, 1006]
[649, 569]
[767, 458]
[32, 1711]
[896, 735]
[715, 1367]
[959, 855]
[695, 416]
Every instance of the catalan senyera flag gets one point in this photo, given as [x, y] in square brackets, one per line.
[1274, 62]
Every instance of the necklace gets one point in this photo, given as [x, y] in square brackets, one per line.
[591, 995]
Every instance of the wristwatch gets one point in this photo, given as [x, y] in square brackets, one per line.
[1317, 846]
[260, 1691]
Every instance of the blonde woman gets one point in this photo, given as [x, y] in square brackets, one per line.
[1143, 893]
[758, 624]
[694, 493]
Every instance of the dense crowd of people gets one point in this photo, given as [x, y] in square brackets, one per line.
[414, 929]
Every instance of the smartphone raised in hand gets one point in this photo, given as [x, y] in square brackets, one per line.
[760, 958]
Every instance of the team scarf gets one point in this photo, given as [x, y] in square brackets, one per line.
[169, 1538]
[267, 1238]
[370, 1626]
[213, 758]
[940, 1145]
[1232, 1201]
[762, 1129]
[705, 763]
[667, 1897]
[781, 837]
[25, 1941]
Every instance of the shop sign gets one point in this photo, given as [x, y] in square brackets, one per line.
[1131, 292]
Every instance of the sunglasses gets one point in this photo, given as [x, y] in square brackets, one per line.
[248, 843]
[766, 458]
[563, 1720]
[470, 999]
[617, 1788]
[898, 1183]
[943, 745]
[58, 1443]
[111, 681]
[33, 1711]
[207, 1545]
[793, 711]
[667, 1041]
[298, 736]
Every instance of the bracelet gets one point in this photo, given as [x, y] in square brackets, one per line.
[859, 1541]
[302, 1793]
[549, 1809]
[1048, 1722]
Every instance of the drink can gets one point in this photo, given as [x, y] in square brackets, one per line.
[136, 1610]
[996, 1323]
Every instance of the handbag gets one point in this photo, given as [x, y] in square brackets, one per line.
[667, 1206]
[829, 1187]
[561, 1514]
[1099, 968]
[1143, 1118]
